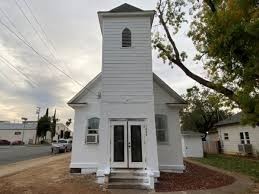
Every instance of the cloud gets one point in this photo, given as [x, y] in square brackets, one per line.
[73, 28]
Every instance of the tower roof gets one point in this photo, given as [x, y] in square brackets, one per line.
[125, 8]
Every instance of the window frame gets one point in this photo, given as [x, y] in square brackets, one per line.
[91, 131]
[162, 129]
[88, 123]
[17, 133]
[122, 38]
[245, 137]
[226, 136]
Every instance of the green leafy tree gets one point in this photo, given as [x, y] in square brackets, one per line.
[44, 125]
[66, 134]
[69, 121]
[204, 109]
[226, 36]
[53, 124]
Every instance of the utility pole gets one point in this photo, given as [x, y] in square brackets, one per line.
[24, 122]
[38, 113]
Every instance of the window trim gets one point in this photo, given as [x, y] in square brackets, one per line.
[166, 131]
[88, 120]
[244, 140]
[131, 37]
[226, 136]
[17, 133]
[87, 130]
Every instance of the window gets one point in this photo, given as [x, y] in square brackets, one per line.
[244, 138]
[126, 38]
[62, 141]
[93, 125]
[161, 128]
[226, 136]
[17, 133]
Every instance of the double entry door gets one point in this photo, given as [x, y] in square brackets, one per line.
[127, 144]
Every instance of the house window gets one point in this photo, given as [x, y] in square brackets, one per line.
[244, 138]
[126, 38]
[17, 133]
[93, 125]
[226, 136]
[161, 128]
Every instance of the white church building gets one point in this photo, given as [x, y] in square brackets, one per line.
[126, 125]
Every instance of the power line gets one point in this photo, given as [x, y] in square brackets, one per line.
[27, 43]
[43, 58]
[41, 28]
[34, 29]
[27, 79]
[44, 34]
[34, 50]
[13, 25]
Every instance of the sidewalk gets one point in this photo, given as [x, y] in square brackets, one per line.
[10, 169]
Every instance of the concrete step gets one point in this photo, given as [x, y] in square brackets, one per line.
[127, 186]
[128, 173]
[136, 179]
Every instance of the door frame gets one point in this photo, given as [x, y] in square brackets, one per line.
[127, 150]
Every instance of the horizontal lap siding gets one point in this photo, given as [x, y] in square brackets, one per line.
[230, 146]
[127, 72]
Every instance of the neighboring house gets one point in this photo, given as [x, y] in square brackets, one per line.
[232, 134]
[61, 130]
[192, 144]
[127, 117]
[25, 131]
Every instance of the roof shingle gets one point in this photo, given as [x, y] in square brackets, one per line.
[230, 120]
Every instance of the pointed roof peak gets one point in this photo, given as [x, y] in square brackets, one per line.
[125, 8]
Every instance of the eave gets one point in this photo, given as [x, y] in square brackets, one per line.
[73, 105]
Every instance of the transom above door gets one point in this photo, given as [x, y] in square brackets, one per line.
[127, 144]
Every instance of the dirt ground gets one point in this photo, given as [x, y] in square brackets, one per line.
[52, 178]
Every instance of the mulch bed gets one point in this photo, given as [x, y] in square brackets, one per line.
[194, 178]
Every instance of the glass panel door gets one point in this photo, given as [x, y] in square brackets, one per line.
[136, 144]
[119, 157]
[118, 143]
[136, 147]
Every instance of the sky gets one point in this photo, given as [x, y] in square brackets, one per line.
[74, 46]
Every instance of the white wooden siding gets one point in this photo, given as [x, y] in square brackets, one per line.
[127, 72]
[169, 155]
[230, 146]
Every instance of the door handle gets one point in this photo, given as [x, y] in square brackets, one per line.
[129, 145]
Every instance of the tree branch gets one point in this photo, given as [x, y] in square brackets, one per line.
[211, 4]
[177, 60]
[219, 88]
[168, 35]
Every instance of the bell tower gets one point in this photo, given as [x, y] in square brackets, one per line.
[127, 61]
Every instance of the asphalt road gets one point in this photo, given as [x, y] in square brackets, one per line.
[11, 154]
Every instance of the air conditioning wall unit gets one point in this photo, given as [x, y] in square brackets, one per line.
[245, 149]
[92, 139]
